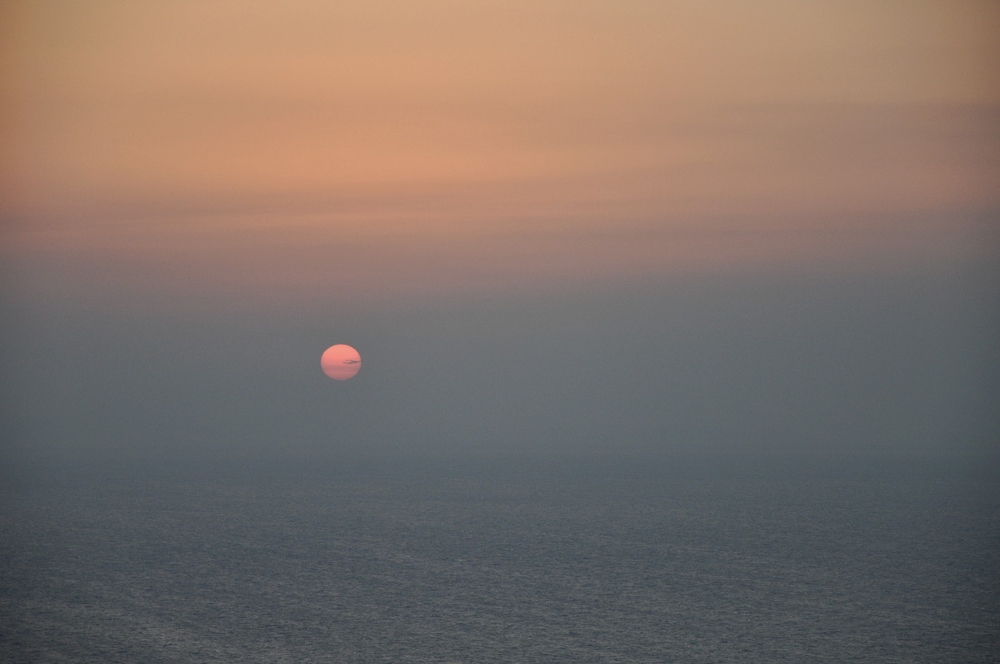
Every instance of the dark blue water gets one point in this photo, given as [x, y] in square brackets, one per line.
[499, 561]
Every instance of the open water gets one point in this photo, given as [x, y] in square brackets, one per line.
[505, 561]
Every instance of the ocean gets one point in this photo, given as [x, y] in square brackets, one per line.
[500, 560]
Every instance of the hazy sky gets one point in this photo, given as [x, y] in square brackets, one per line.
[550, 225]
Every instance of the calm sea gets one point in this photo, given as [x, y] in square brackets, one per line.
[503, 561]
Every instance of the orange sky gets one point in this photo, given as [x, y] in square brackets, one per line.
[401, 146]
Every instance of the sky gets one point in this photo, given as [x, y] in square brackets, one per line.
[549, 228]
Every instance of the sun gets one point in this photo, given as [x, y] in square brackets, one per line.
[340, 362]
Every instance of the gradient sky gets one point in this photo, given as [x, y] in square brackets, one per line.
[624, 222]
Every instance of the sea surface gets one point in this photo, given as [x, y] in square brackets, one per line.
[496, 560]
